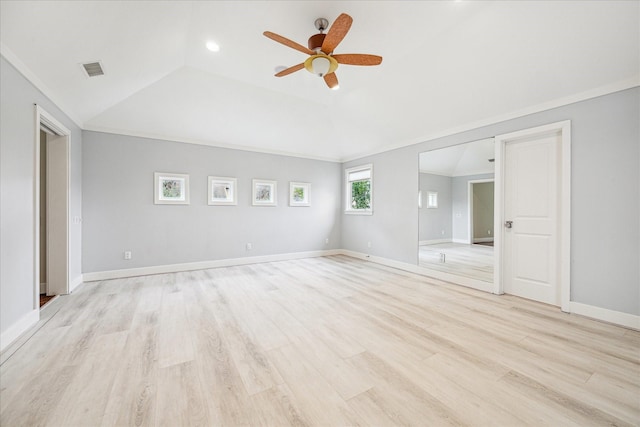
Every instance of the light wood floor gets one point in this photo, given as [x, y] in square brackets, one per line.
[475, 261]
[325, 341]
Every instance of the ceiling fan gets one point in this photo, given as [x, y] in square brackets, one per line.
[321, 61]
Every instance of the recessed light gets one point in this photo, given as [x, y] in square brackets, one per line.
[213, 46]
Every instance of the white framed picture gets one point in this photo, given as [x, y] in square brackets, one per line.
[222, 191]
[171, 188]
[265, 192]
[299, 193]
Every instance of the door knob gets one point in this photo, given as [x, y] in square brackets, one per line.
[508, 224]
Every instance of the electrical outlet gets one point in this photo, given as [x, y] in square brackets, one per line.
[443, 232]
[127, 254]
[249, 246]
[369, 245]
[489, 232]
[326, 241]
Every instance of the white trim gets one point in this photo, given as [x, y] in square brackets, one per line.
[564, 220]
[347, 190]
[41, 116]
[184, 140]
[31, 77]
[461, 241]
[560, 102]
[73, 285]
[433, 242]
[202, 265]
[482, 239]
[611, 316]
[14, 331]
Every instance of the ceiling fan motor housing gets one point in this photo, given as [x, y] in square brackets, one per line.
[315, 41]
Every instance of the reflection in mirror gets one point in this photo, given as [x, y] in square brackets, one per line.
[456, 218]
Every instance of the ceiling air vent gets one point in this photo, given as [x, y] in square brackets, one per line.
[93, 69]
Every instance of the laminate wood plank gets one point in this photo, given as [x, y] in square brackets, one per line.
[175, 345]
[225, 394]
[318, 401]
[181, 401]
[250, 360]
[319, 341]
[397, 396]
[276, 407]
[133, 396]
[85, 397]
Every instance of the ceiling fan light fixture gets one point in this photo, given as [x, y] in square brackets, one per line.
[320, 65]
[213, 46]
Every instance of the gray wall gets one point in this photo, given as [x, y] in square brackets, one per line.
[460, 205]
[605, 211]
[17, 151]
[433, 222]
[393, 227]
[119, 213]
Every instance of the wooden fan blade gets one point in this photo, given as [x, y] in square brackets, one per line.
[290, 70]
[357, 59]
[331, 80]
[285, 41]
[336, 33]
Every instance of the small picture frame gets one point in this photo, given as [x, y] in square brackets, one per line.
[299, 193]
[222, 191]
[171, 188]
[432, 199]
[265, 192]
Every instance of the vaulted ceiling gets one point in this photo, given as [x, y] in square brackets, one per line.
[448, 66]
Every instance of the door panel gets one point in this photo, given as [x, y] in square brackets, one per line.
[531, 203]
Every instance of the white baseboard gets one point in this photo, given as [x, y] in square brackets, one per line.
[20, 327]
[73, 285]
[452, 278]
[463, 241]
[611, 316]
[433, 242]
[482, 239]
[202, 265]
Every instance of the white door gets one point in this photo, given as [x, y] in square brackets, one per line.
[531, 217]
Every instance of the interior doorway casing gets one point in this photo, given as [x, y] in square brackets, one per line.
[564, 206]
[59, 208]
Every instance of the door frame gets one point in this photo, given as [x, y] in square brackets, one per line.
[44, 119]
[563, 128]
[470, 204]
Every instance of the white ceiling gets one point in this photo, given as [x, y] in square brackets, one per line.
[467, 159]
[448, 66]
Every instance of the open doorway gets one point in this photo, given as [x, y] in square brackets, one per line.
[52, 208]
[481, 212]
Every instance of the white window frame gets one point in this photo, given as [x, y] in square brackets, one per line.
[347, 190]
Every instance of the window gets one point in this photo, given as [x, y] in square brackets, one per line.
[359, 190]
[432, 199]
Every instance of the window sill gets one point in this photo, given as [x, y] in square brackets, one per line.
[363, 212]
